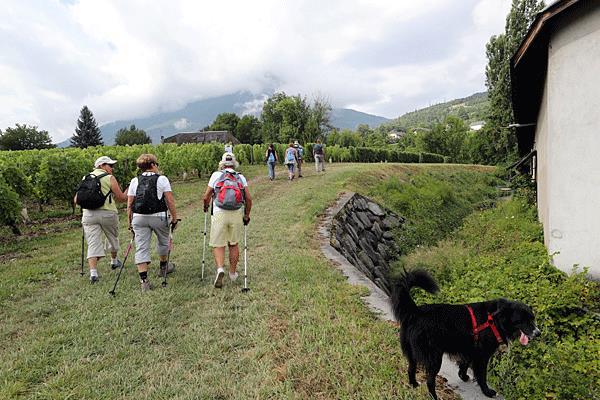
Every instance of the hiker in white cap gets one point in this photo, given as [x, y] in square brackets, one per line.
[231, 204]
[97, 195]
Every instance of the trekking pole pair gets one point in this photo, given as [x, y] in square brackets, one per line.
[127, 251]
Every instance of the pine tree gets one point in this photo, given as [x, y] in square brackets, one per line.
[500, 144]
[87, 132]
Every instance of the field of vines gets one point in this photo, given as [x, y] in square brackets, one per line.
[51, 176]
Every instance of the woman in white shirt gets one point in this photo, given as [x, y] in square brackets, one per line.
[150, 201]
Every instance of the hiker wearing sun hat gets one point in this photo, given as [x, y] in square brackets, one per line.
[231, 204]
[97, 195]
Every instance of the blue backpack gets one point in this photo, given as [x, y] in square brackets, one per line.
[289, 156]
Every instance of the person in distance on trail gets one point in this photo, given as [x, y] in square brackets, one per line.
[319, 155]
[149, 198]
[300, 157]
[271, 157]
[291, 158]
[231, 204]
[99, 213]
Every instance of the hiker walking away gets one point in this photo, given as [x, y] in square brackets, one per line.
[97, 195]
[150, 201]
[291, 158]
[271, 157]
[319, 155]
[300, 156]
[231, 205]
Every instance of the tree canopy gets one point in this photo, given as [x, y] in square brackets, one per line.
[24, 137]
[285, 118]
[131, 136]
[499, 143]
[87, 132]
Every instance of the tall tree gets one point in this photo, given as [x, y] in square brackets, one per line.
[499, 50]
[249, 130]
[23, 137]
[131, 136]
[87, 132]
[225, 122]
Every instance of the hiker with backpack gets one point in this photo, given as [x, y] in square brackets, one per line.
[97, 195]
[300, 157]
[229, 196]
[150, 201]
[271, 157]
[291, 158]
[319, 155]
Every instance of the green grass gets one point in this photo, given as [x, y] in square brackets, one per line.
[301, 332]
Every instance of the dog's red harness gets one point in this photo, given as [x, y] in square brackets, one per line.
[487, 324]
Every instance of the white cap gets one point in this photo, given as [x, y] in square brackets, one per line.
[296, 143]
[104, 160]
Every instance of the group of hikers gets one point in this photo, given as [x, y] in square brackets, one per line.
[151, 209]
[294, 158]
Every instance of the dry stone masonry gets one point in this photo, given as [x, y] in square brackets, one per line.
[363, 232]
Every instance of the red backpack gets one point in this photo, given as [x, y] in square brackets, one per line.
[229, 191]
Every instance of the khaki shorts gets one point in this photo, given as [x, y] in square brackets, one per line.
[99, 223]
[226, 227]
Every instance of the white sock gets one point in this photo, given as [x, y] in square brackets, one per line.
[114, 260]
[94, 272]
[220, 269]
[233, 276]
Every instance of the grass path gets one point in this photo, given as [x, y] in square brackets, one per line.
[301, 332]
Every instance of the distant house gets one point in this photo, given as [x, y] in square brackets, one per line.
[556, 101]
[202, 137]
[475, 126]
[395, 135]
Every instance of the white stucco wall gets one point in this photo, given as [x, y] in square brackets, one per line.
[568, 143]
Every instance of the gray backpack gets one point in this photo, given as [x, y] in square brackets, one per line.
[229, 191]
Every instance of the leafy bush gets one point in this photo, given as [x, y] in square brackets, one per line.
[10, 207]
[500, 253]
[430, 158]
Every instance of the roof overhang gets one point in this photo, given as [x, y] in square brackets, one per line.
[528, 68]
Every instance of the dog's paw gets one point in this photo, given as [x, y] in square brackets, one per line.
[414, 384]
[463, 376]
[489, 392]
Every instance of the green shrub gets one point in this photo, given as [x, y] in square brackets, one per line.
[10, 207]
[430, 158]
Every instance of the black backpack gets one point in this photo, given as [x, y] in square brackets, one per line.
[89, 192]
[146, 200]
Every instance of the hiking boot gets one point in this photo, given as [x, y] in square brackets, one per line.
[116, 264]
[219, 278]
[233, 276]
[94, 279]
[146, 286]
[170, 268]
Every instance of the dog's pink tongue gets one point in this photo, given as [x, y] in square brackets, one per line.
[524, 339]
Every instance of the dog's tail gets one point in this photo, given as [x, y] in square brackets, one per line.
[403, 305]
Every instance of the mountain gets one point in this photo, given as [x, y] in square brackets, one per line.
[470, 109]
[343, 118]
[198, 114]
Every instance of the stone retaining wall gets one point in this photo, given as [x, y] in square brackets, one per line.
[362, 232]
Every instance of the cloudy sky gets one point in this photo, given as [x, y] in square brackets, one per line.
[133, 58]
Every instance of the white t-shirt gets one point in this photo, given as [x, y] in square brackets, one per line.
[162, 185]
[213, 181]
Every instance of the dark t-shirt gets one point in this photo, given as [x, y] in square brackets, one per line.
[318, 149]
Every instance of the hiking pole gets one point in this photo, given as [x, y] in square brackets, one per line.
[164, 282]
[82, 248]
[123, 263]
[204, 245]
[245, 288]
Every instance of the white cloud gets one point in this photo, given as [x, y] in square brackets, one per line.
[181, 123]
[128, 59]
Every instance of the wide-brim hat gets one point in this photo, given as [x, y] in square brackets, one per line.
[296, 143]
[228, 160]
[104, 160]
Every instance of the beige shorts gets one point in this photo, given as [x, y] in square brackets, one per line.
[99, 223]
[226, 227]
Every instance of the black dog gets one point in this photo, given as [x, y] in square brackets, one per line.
[470, 333]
